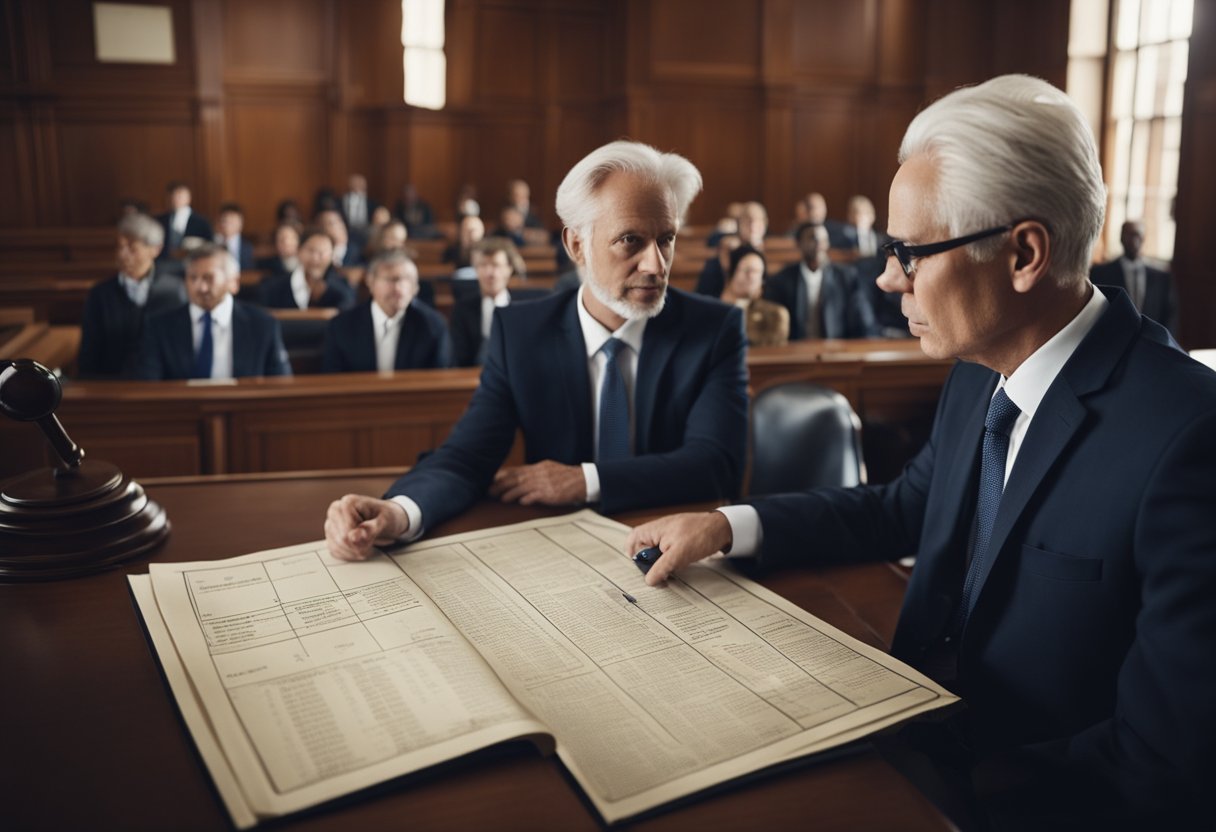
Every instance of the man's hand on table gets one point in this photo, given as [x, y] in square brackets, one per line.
[682, 538]
[355, 525]
[545, 483]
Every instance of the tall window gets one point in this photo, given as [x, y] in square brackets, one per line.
[1144, 119]
[424, 63]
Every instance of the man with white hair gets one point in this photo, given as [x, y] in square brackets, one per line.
[214, 335]
[1061, 512]
[628, 393]
[115, 309]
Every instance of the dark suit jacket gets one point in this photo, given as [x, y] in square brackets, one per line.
[276, 291]
[844, 309]
[350, 341]
[257, 345]
[690, 409]
[1160, 298]
[111, 326]
[1087, 663]
[846, 237]
[196, 226]
[712, 279]
[465, 326]
[245, 258]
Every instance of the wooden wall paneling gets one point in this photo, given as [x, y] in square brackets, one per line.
[15, 166]
[370, 53]
[433, 153]
[835, 41]
[1196, 203]
[826, 154]
[10, 60]
[705, 40]
[959, 39]
[508, 58]
[277, 146]
[212, 184]
[1031, 36]
[110, 149]
[883, 121]
[781, 190]
[283, 40]
[901, 43]
[505, 146]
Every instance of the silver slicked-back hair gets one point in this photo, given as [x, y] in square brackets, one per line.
[392, 257]
[143, 228]
[1014, 148]
[577, 199]
[202, 251]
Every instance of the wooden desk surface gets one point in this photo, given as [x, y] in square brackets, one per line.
[92, 740]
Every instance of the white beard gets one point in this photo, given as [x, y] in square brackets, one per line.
[619, 306]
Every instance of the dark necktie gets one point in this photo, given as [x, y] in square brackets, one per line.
[614, 406]
[1002, 413]
[206, 350]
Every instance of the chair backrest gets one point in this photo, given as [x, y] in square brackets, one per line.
[804, 436]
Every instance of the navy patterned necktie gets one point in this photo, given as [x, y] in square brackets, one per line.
[614, 406]
[206, 350]
[1002, 413]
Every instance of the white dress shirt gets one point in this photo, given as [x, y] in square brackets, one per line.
[387, 332]
[340, 253]
[1025, 387]
[488, 305]
[180, 217]
[594, 336]
[221, 336]
[299, 288]
[814, 285]
[137, 290]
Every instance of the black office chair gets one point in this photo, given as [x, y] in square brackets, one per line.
[804, 436]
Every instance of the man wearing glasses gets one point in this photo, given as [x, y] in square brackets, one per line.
[1062, 510]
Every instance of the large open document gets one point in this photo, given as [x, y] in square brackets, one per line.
[303, 678]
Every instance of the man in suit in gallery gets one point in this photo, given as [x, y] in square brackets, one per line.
[115, 309]
[314, 283]
[628, 393]
[230, 228]
[181, 221]
[1150, 288]
[348, 247]
[390, 331]
[824, 299]
[1061, 512]
[496, 261]
[214, 335]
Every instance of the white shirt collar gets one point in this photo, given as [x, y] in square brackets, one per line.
[595, 333]
[300, 289]
[1027, 385]
[137, 290]
[807, 273]
[221, 315]
[379, 319]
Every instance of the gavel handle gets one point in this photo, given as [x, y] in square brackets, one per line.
[69, 452]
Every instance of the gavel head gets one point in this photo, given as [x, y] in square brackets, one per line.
[28, 390]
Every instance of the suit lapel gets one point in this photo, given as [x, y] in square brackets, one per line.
[242, 343]
[182, 337]
[571, 355]
[1059, 418]
[658, 343]
[405, 341]
[363, 344]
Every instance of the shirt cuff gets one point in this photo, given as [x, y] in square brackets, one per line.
[414, 513]
[746, 534]
[591, 476]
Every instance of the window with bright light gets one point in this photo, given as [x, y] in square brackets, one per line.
[424, 63]
[1147, 67]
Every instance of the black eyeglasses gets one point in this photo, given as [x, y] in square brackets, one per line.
[907, 255]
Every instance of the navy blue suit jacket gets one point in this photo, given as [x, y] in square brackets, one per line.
[350, 341]
[1088, 659]
[844, 308]
[468, 345]
[196, 226]
[111, 326]
[276, 292]
[257, 345]
[690, 409]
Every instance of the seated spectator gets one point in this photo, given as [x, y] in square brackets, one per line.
[1150, 288]
[519, 197]
[468, 233]
[356, 206]
[388, 332]
[765, 323]
[115, 309]
[753, 225]
[858, 233]
[288, 211]
[229, 234]
[510, 225]
[801, 214]
[713, 274]
[214, 335]
[314, 283]
[414, 211]
[286, 247]
[389, 237]
[496, 261]
[180, 222]
[729, 224]
[347, 252]
[824, 299]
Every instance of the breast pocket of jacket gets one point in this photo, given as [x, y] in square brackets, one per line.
[1048, 564]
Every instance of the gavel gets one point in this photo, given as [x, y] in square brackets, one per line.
[29, 392]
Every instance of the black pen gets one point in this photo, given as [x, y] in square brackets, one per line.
[629, 597]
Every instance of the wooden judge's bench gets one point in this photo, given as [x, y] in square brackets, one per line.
[356, 420]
